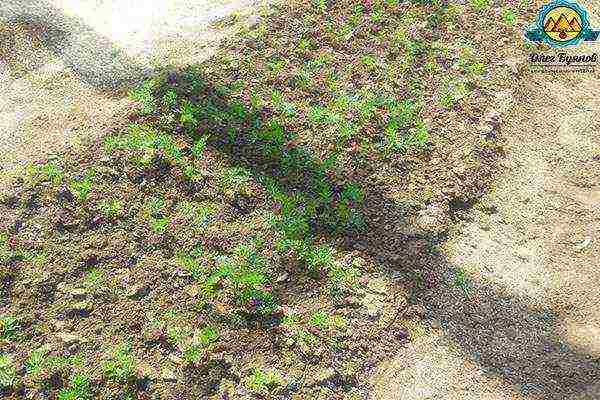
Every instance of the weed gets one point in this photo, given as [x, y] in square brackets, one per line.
[276, 66]
[320, 5]
[200, 146]
[36, 360]
[509, 16]
[305, 44]
[53, 173]
[156, 206]
[480, 5]
[9, 328]
[477, 68]
[145, 95]
[94, 278]
[255, 101]
[235, 180]
[454, 91]
[170, 98]
[8, 372]
[461, 280]
[342, 279]
[264, 381]
[121, 367]
[193, 353]
[111, 208]
[160, 225]
[82, 187]
[320, 320]
[79, 389]
[208, 335]
[191, 265]
[369, 61]
[175, 334]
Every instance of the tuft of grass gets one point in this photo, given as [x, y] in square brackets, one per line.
[480, 5]
[36, 360]
[94, 278]
[8, 372]
[200, 146]
[320, 5]
[454, 91]
[9, 328]
[121, 367]
[509, 16]
[79, 389]
[461, 280]
[264, 381]
[112, 208]
[82, 187]
[320, 320]
[144, 94]
[160, 225]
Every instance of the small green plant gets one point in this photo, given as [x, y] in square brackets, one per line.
[111, 208]
[160, 225]
[477, 68]
[319, 319]
[36, 360]
[121, 367]
[145, 95]
[9, 328]
[82, 187]
[305, 44]
[276, 66]
[200, 146]
[8, 372]
[79, 389]
[53, 173]
[461, 280]
[454, 91]
[94, 278]
[207, 336]
[175, 334]
[156, 206]
[509, 16]
[170, 98]
[193, 353]
[480, 5]
[369, 61]
[263, 381]
[191, 265]
[320, 5]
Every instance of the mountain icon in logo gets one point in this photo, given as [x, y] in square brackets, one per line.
[562, 26]
[575, 26]
[562, 23]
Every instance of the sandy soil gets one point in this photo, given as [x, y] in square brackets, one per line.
[518, 315]
[65, 65]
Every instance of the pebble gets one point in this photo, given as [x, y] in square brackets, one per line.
[70, 338]
[582, 245]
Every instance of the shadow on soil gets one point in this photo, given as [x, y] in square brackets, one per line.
[503, 334]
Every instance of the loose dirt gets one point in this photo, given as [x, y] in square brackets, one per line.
[518, 318]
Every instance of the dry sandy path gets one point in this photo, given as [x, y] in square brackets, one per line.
[526, 323]
[65, 64]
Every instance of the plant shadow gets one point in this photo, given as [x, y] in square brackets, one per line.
[502, 333]
[506, 336]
